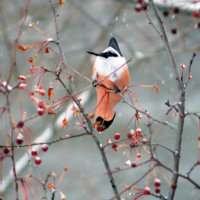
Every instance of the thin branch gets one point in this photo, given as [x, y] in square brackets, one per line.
[88, 121]
[12, 150]
[99, 145]
[189, 73]
[192, 168]
[167, 45]
[181, 100]
[148, 115]
[164, 147]
[128, 188]
[45, 183]
[58, 42]
[49, 143]
[151, 22]
[16, 43]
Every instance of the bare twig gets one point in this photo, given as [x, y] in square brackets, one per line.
[181, 100]
[192, 168]
[51, 142]
[58, 42]
[12, 149]
[88, 121]
[151, 22]
[167, 45]
[175, 173]
[148, 115]
[163, 147]
[16, 43]
[45, 183]
[128, 188]
[189, 73]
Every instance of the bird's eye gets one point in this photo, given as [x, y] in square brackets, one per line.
[111, 54]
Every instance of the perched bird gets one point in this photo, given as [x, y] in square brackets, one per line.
[107, 98]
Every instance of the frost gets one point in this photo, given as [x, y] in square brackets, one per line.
[116, 18]
[50, 39]
[128, 162]
[139, 129]
[171, 75]
[4, 83]
[9, 88]
[37, 22]
[139, 54]
[163, 82]
[176, 153]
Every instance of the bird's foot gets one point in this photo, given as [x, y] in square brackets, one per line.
[94, 83]
[117, 90]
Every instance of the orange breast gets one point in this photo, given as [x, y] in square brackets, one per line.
[107, 102]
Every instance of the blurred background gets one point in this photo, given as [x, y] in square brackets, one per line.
[88, 25]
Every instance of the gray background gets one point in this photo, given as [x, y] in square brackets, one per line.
[87, 25]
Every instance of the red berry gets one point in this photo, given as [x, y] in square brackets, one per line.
[144, 141]
[139, 155]
[99, 128]
[20, 124]
[174, 186]
[198, 25]
[34, 152]
[157, 182]
[20, 139]
[20, 47]
[6, 150]
[176, 10]
[42, 92]
[132, 145]
[174, 31]
[44, 147]
[199, 138]
[22, 78]
[38, 160]
[157, 190]
[114, 146]
[166, 13]
[117, 136]
[134, 165]
[47, 50]
[40, 111]
[147, 191]
[195, 14]
[145, 7]
[129, 135]
[140, 1]
[31, 59]
[138, 7]
[41, 104]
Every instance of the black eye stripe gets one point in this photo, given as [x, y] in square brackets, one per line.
[108, 54]
[105, 55]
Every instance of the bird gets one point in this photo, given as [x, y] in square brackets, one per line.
[107, 89]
